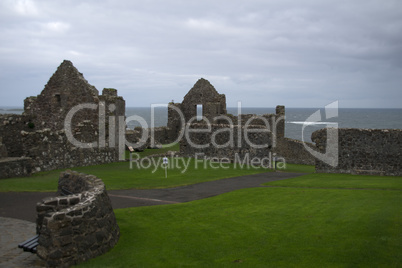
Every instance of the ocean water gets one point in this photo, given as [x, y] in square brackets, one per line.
[347, 118]
[11, 110]
[298, 122]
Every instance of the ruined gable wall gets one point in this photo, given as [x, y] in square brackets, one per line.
[39, 133]
[214, 104]
[48, 146]
[204, 93]
[363, 151]
[65, 89]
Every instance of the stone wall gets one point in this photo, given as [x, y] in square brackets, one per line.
[3, 149]
[231, 141]
[363, 151]
[203, 93]
[280, 121]
[15, 167]
[174, 123]
[67, 104]
[65, 89]
[274, 122]
[252, 119]
[51, 150]
[11, 126]
[161, 135]
[293, 151]
[77, 227]
[114, 107]
[214, 110]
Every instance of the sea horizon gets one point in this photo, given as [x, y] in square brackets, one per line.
[17, 107]
[297, 123]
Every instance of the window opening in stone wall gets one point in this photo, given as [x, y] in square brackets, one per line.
[58, 98]
[199, 112]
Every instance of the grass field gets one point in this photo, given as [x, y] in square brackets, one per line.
[316, 220]
[287, 226]
[146, 173]
[120, 176]
[321, 180]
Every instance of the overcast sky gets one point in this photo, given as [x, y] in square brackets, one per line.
[305, 53]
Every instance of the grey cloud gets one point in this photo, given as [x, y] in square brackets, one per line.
[297, 53]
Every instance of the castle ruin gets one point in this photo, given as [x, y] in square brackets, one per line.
[41, 138]
[38, 139]
[234, 136]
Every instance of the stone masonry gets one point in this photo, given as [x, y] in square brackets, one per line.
[15, 167]
[3, 149]
[215, 114]
[65, 89]
[42, 132]
[12, 166]
[225, 141]
[363, 151]
[77, 227]
[11, 126]
[49, 150]
[202, 93]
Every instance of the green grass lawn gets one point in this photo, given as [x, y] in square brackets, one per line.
[268, 227]
[316, 220]
[143, 174]
[119, 175]
[115, 174]
[321, 180]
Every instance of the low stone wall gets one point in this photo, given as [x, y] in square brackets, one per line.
[364, 151]
[15, 167]
[293, 151]
[161, 135]
[51, 150]
[11, 126]
[231, 141]
[77, 227]
[3, 149]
